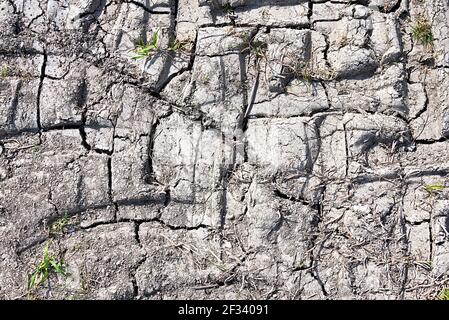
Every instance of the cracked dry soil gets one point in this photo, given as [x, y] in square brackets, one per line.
[286, 149]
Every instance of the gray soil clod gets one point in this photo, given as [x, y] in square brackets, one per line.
[263, 149]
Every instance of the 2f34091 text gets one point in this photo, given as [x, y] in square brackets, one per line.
[224, 309]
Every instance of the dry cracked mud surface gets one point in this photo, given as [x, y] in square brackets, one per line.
[283, 149]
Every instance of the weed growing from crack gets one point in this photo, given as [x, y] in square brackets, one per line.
[4, 71]
[304, 70]
[256, 47]
[59, 225]
[145, 50]
[434, 188]
[259, 48]
[177, 46]
[444, 294]
[299, 70]
[48, 264]
[422, 32]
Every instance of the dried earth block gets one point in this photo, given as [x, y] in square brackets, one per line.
[283, 149]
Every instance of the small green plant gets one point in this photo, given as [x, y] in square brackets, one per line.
[259, 48]
[422, 32]
[42, 272]
[253, 46]
[205, 79]
[145, 50]
[300, 70]
[444, 294]
[59, 225]
[434, 188]
[177, 46]
[5, 70]
[306, 74]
